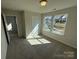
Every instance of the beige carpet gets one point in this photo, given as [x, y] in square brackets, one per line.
[40, 47]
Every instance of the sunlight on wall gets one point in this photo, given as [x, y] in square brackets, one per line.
[9, 27]
[34, 39]
[34, 32]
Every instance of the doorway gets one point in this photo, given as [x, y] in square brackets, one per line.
[11, 25]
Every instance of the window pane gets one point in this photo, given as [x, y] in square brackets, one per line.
[47, 23]
[59, 23]
[55, 24]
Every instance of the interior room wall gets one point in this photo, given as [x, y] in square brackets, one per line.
[32, 20]
[3, 43]
[70, 35]
[23, 24]
[19, 20]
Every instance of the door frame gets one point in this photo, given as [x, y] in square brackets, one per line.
[15, 20]
[5, 30]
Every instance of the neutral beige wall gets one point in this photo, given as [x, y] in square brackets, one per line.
[31, 20]
[3, 43]
[70, 36]
[23, 24]
[19, 20]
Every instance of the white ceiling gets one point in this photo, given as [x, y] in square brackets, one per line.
[34, 5]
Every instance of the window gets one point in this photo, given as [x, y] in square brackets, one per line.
[11, 23]
[9, 27]
[47, 23]
[55, 24]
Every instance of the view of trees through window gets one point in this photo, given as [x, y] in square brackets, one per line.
[55, 24]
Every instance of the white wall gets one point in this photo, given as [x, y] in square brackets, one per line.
[3, 43]
[31, 20]
[19, 20]
[70, 36]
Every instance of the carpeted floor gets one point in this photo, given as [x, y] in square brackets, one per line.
[39, 48]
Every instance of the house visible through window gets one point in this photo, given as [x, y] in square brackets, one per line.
[55, 24]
